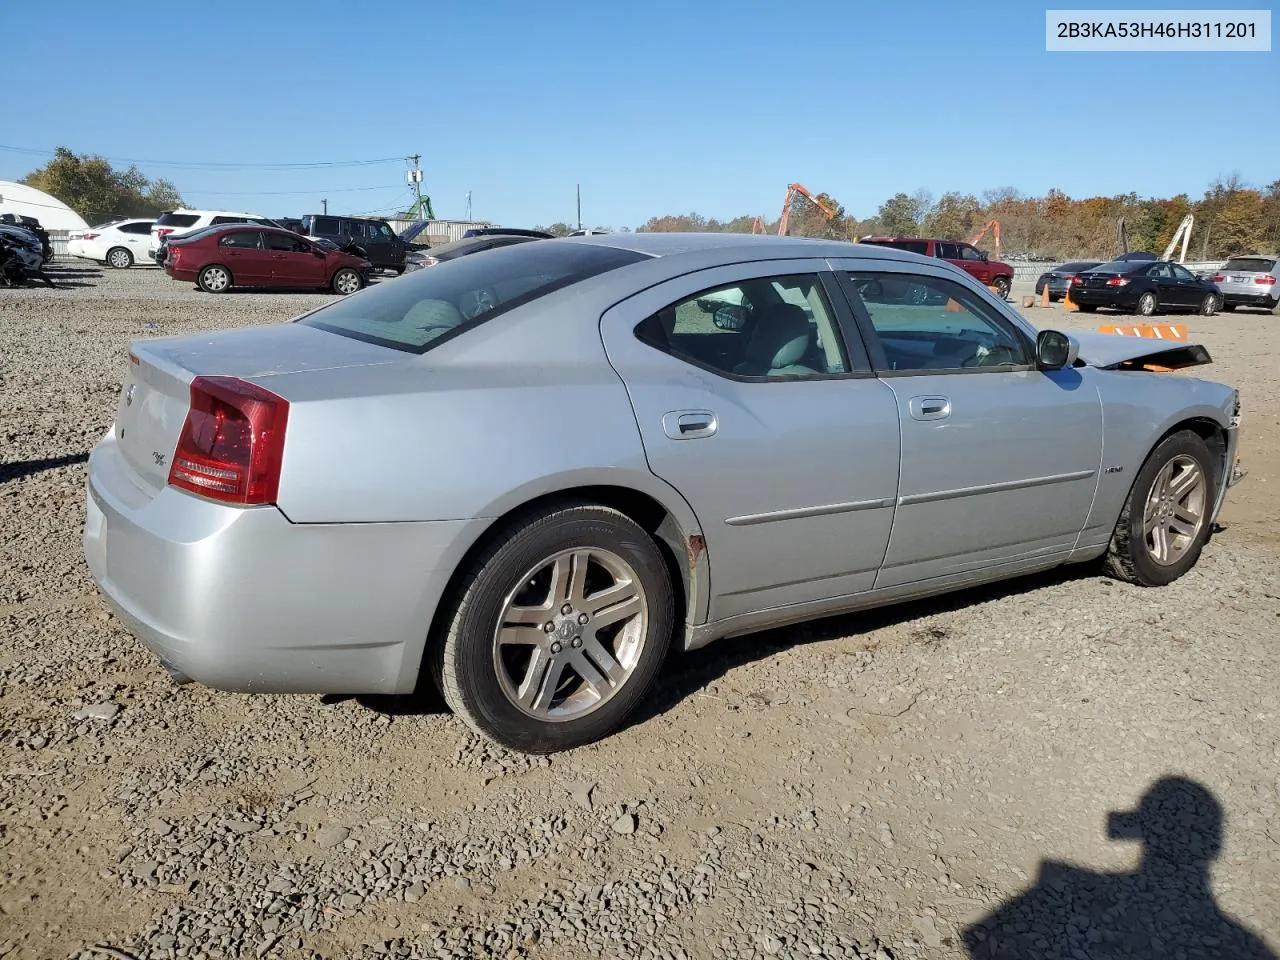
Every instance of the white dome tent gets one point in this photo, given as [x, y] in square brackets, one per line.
[24, 201]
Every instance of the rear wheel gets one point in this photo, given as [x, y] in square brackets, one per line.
[1147, 304]
[558, 630]
[119, 258]
[1002, 287]
[1209, 305]
[214, 279]
[347, 280]
[1165, 521]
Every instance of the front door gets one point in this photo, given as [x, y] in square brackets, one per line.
[1000, 459]
[242, 251]
[294, 261]
[751, 404]
[1190, 290]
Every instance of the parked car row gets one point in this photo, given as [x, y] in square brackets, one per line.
[226, 256]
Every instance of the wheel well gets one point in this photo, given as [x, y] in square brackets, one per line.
[1208, 431]
[647, 512]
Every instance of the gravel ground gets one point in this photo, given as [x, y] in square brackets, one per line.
[923, 782]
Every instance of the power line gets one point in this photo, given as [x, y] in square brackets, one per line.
[222, 164]
[283, 193]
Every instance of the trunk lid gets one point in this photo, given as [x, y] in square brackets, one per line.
[156, 394]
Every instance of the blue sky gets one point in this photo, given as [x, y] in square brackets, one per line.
[656, 107]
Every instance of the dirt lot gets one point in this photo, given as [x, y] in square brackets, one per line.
[866, 786]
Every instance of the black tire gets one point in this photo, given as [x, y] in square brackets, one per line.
[341, 280]
[463, 657]
[1087, 307]
[1228, 308]
[1208, 306]
[214, 278]
[1128, 557]
[1148, 305]
[1002, 285]
[119, 258]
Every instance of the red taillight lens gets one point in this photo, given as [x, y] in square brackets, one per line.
[1117, 281]
[1265, 281]
[164, 231]
[232, 443]
[90, 236]
[1077, 281]
[1218, 278]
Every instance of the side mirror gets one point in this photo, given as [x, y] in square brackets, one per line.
[730, 316]
[1055, 350]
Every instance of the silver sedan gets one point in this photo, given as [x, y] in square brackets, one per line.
[525, 474]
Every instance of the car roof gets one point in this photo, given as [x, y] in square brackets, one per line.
[745, 244]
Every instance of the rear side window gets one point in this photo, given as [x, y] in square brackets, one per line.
[911, 246]
[946, 251]
[420, 309]
[250, 239]
[177, 219]
[325, 226]
[1250, 264]
[143, 226]
[232, 219]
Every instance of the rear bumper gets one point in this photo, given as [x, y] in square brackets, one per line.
[242, 599]
[1250, 299]
[1102, 298]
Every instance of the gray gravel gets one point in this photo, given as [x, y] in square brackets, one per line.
[864, 787]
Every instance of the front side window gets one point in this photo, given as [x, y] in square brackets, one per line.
[385, 232]
[925, 323]
[280, 241]
[970, 253]
[422, 308]
[770, 328]
[246, 239]
[1181, 272]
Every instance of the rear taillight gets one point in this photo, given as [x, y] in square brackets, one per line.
[1117, 281]
[1265, 281]
[1077, 281]
[90, 236]
[1218, 278]
[232, 443]
[163, 231]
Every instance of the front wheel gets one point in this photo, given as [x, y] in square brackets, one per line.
[1002, 287]
[1165, 521]
[214, 279]
[119, 258]
[1147, 304]
[1209, 305]
[558, 630]
[347, 281]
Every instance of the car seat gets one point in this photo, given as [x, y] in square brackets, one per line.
[781, 338]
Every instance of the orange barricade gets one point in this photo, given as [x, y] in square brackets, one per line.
[1152, 331]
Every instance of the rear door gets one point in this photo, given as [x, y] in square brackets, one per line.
[1191, 290]
[136, 236]
[294, 261]
[772, 427]
[1000, 459]
[243, 254]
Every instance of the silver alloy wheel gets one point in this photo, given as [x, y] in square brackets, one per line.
[571, 634]
[347, 281]
[1175, 510]
[1147, 304]
[1210, 306]
[119, 258]
[215, 278]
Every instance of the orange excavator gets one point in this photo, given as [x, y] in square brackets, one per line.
[784, 223]
[992, 227]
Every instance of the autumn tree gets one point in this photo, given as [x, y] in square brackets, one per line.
[91, 187]
[954, 217]
[899, 215]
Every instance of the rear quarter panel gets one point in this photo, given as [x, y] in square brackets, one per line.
[1138, 409]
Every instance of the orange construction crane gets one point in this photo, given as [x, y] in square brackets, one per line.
[758, 226]
[784, 224]
[992, 226]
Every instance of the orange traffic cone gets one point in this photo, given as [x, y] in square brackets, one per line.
[1066, 301]
[1044, 295]
[953, 306]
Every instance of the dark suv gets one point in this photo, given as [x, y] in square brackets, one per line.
[991, 273]
[386, 250]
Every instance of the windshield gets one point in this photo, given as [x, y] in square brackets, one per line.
[413, 312]
[177, 219]
[1250, 264]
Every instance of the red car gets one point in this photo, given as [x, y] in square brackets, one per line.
[246, 255]
[990, 273]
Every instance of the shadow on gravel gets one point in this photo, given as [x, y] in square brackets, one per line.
[1163, 909]
[25, 468]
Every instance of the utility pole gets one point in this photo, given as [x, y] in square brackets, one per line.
[579, 186]
[422, 205]
[468, 204]
[325, 206]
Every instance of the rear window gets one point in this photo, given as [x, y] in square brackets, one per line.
[1121, 266]
[911, 246]
[1250, 264]
[1076, 266]
[177, 219]
[416, 311]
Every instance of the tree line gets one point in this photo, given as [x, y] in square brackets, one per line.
[1230, 218]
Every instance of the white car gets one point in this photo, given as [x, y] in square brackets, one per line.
[119, 244]
[176, 223]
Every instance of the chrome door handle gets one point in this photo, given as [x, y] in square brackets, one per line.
[689, 424]
[930, 408]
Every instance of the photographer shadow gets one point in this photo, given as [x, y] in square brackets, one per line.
[1163, 909]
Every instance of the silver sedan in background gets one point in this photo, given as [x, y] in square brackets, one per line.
[523, 474]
